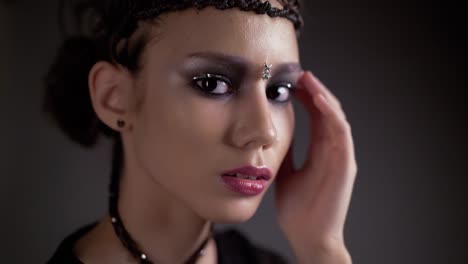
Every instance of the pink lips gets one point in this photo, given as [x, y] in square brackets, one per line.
[247, 186]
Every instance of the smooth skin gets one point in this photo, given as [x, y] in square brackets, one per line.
[313, 218]
[177, 142]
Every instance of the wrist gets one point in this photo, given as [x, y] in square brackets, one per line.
[328, 252]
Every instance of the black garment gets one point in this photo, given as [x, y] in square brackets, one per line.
[233, 248]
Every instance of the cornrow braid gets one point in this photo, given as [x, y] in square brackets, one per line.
[124, 25]
[143, 10]
[117, 20]
[290, 8]
[101, 25]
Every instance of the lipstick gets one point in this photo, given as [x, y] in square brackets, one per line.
[248, 180]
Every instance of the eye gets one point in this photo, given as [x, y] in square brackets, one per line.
[280, 92]
[213, 84]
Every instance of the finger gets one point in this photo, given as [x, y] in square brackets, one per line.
[315, 86]
[329, 95]
[310, 79]
[326, 120]
[339, 129]
[306, 98]
[332, 133]
[337, 185]
[328, 127]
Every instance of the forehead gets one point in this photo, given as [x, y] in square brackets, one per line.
[253, 37]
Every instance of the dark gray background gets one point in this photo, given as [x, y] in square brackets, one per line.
[400, 74]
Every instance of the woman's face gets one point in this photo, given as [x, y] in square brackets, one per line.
[186, 133]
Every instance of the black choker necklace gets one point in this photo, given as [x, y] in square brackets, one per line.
[131, 245]
[117, 223]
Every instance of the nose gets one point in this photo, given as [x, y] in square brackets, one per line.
[254, 127]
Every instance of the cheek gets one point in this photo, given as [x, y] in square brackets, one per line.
[284, 121]
[177, 135]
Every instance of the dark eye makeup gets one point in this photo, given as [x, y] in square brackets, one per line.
[218, 85]
[282, 91]
[213, 84]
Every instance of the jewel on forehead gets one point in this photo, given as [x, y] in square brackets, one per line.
[266, 74]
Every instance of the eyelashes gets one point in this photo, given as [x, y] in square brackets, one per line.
[213, 84]
[282, 91]
[217, 85]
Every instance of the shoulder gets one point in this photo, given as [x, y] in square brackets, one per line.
[235, 247]
[64, 252]
[232, 245]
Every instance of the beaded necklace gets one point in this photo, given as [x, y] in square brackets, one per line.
[118, 225]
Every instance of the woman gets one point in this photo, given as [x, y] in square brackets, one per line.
[197, 97]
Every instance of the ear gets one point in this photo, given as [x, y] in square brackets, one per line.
[109, 87]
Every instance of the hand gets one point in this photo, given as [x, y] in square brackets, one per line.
[312, 202]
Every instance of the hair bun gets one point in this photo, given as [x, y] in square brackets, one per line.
[67, 96]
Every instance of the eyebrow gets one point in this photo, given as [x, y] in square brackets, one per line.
[242, 65]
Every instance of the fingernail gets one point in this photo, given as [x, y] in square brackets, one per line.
[301, 80]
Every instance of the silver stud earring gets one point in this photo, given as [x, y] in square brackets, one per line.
[266, 74]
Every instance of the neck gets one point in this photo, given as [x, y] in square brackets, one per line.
[164, 228]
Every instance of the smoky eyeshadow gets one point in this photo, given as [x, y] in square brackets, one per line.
[196, 67]
[235, 70]
[287, 78]
[286, 73]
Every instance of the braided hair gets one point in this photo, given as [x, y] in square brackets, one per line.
[96, 28]
[94, 31]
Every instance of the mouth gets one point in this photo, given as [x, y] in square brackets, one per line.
[248, 180]
[250, 173]
[246, 177]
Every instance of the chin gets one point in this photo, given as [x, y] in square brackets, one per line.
[233, 211]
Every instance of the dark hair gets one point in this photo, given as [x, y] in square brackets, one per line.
[100, 26]
[96, 27]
